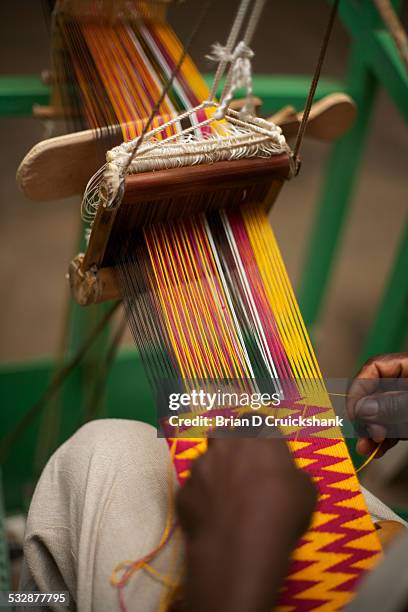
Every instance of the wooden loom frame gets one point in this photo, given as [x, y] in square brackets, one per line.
[374, 62]
[93, 281]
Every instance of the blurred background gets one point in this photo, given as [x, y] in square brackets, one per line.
[37, 240]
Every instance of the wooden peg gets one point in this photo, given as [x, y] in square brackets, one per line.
[286, 114]
[239, 103]
[92, 286]
[329, 118]
[61, 167]
[47, 112]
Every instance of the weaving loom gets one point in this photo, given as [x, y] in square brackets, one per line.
[179, 228]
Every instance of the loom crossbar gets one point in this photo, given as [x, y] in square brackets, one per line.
[168, 195]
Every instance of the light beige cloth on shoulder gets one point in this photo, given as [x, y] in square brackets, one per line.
[104, 498]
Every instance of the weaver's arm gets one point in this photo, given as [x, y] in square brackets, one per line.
[242, 511]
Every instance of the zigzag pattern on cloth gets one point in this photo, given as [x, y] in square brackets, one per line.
[341, 543]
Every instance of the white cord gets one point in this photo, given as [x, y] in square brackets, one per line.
[240, 72]
[233, 138]
[239, 75]
[232, 39]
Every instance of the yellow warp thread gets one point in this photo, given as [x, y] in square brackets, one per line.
[311, 387]
[369, 459]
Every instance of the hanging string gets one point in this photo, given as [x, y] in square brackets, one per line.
[126, 569]
[240, 72]
[315, 80]
[59, 377]
[99, 385]
[51, 420]
[231, 41]
[239, 57]
[370, 458]
[253, 21]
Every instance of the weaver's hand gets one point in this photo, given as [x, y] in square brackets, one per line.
[378, 400]
[242, 511]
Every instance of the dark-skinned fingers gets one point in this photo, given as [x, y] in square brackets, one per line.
[373, 376]
[359, 388]
[271, 452]
[385, 446]
[366, 382]
[388, 365]
[366, 446]
[386, 409]
[377, 433]
[204, 467]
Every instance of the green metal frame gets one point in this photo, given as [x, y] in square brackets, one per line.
[387, 332]
[374, 62]
[127, 394]
[18, 94]
[4, 560]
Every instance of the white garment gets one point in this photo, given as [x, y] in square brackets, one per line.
[103, 498]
